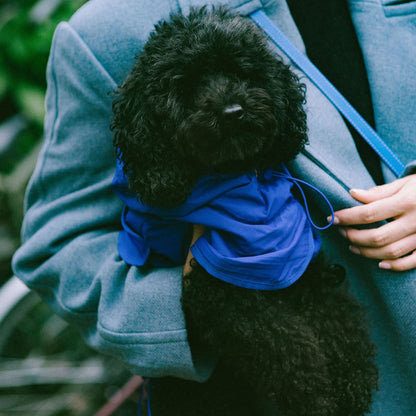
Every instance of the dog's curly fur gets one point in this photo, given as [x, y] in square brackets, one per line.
[208, 94]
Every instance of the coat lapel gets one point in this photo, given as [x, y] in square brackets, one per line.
[331, 147]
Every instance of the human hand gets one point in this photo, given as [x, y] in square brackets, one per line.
[198, 231]
[394, 243]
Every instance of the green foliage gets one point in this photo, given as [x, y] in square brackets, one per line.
[26, 31]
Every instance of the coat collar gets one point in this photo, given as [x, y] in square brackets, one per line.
[241, 6]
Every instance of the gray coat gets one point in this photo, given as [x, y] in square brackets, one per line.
[69, 252]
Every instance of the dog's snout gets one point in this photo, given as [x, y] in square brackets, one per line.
[233, 111]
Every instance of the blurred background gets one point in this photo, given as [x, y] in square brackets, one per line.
[45, 367]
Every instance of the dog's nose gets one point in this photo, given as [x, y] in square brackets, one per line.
[233, 111]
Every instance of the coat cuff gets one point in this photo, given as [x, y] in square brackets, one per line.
[410, 169]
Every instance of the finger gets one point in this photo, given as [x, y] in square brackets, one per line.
[380, 236]
[389, 252]
[378, 192]
[370, 213]
[198, 231]
[187, 266]
[400, 265]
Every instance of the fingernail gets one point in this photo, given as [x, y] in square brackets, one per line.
[356, 190]
[384, 265]
[342, 232]
[336, 219]
[354, 250]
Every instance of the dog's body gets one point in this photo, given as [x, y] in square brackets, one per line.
[207, 95]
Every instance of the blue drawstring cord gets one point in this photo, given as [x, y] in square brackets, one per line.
[145, 386]
[139, 409]
[298, 183]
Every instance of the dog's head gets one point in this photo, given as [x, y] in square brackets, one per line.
[205, 95]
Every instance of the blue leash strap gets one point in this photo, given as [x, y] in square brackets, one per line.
[313, 73]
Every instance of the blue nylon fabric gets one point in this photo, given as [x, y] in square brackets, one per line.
[258, 234]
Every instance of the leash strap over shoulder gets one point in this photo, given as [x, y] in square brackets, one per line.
[349, 112]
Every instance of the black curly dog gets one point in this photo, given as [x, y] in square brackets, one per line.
[207, 93]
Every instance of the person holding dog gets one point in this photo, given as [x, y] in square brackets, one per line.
[69, 253]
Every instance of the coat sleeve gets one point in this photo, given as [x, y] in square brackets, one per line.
[69, 237]
[410, 169]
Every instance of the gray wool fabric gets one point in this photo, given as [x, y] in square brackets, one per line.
[69, 251]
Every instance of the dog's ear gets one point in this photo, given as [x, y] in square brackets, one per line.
[145, 144]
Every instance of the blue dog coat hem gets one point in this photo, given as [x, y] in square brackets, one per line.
[258, 235]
